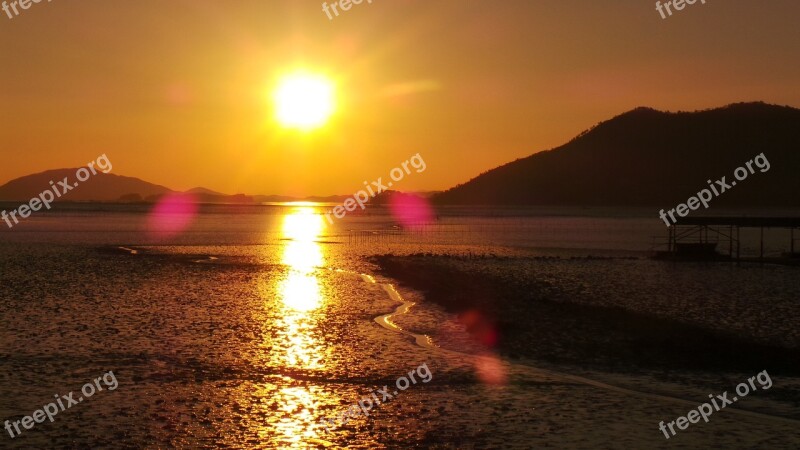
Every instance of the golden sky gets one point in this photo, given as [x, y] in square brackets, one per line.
[177, 92]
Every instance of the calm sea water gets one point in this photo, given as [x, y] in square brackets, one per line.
[546, 229]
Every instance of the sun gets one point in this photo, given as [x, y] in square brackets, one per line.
[304, 101]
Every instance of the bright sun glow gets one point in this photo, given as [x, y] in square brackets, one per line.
[304, 101]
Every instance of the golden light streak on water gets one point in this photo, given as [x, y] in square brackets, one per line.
[300, 291]
[293, 342]
[297, 426]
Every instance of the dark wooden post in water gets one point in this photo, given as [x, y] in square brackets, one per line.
[671, 233]
[730, 241]
[738, 243]
[761, 252]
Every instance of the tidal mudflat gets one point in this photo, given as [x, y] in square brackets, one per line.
[252, 345]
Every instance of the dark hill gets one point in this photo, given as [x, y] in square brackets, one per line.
[649, 157]
[104, 188]
[100, 187]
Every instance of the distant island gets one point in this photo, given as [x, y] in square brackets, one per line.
[643, 157]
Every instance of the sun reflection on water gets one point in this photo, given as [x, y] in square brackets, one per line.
[295, 344]
[298, 423]
[300, 291]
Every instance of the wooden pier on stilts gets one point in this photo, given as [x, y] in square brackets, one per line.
[719, 238]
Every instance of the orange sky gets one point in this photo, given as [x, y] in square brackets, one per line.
[176, 92]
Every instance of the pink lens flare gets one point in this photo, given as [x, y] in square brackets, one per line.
[411, 210]
[490, 369]
[480, 327]
[178, 94]
[172, 215]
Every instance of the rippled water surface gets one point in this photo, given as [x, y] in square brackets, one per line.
[252, 326]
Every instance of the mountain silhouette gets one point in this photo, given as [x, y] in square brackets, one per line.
[103, 187]
[99, 187]
[646, 157]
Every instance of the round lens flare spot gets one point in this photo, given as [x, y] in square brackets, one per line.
[304, 101]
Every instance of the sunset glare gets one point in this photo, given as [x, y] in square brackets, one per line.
[304, 101]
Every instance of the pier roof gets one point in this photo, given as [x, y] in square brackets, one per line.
[744, 222]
